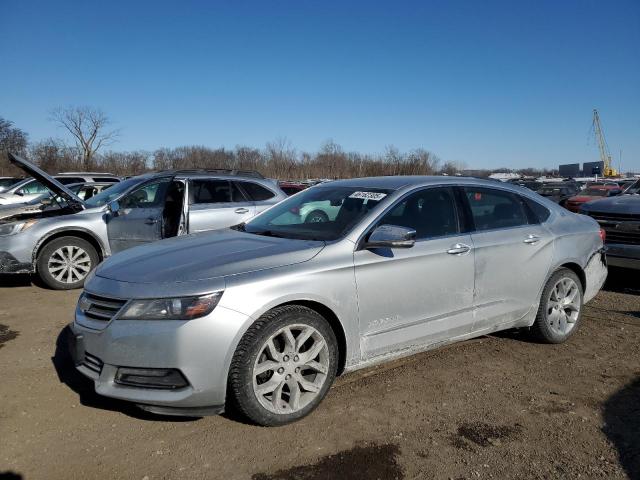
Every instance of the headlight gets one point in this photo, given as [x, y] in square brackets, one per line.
[185, 308]
[17, 227]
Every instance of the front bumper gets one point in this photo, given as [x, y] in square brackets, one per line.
[16, 253]
[623, 255]
[200, 349]
[10, 264]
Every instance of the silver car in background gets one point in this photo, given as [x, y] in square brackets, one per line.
[63, 245]
[263, 316]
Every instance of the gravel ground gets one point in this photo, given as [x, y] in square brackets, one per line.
[494, 407]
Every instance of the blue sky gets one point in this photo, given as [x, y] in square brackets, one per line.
[488, 83]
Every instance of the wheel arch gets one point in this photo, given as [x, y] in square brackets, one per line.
[577, 269]
[69, 232]
[334, 322]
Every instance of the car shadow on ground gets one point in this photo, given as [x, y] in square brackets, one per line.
[8, 280]
[83, 386]
[623, 280]
[621, 415]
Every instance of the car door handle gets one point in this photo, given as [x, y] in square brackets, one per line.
[241, 210]
[151, 221]
[459, 249]
[531, 239]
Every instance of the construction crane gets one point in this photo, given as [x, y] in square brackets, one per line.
[605, 156]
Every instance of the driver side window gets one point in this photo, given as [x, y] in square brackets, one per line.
[150, 195]
[430, 212]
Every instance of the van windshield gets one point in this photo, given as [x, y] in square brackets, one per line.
[319, 213]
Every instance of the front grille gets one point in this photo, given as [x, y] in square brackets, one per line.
[93, 363]
[100, 308]
[621, 228]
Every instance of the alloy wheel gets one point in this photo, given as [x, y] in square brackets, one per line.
[69, 264]
[563, 306]
[291, 369]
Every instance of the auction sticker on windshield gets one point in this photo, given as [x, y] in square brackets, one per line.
[368, 195]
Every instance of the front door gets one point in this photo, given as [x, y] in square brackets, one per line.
[217, 203]
[512, 254]
[420, 295]
[139, 217]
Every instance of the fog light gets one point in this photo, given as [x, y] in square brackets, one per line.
[161, 378]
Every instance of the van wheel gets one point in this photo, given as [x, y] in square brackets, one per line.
[283, 366]
[64, 263]
[560, 309]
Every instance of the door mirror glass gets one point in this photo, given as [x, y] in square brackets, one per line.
[391, 236]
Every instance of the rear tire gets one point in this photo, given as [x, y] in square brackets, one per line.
[65, 262]
[283, 367]
[560, 310]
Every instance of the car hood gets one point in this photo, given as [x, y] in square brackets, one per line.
[205, 255]
[45, 179]
[622, 204]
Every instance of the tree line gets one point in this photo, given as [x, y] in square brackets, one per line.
[278, 159]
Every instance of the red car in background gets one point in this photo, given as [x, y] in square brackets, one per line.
[592, 192]
[291, 188]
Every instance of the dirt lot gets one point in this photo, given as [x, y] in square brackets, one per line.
[495, 407]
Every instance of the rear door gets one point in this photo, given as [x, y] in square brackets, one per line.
[409, 297]
[513, 255]
[139, 218]
[217, 203]
[260, 195]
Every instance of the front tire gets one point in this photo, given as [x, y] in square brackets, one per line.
[283, 367]
[560, 310]
[317, 216]
[64, 263]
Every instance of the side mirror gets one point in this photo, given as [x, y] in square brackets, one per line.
[391, 236]
[335, 202]
[47, 201]
[114, 208]
[19, 192]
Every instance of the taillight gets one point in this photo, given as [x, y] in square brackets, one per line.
[603, 235]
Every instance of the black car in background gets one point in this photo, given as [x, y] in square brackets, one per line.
[619, 216]
[559, 192]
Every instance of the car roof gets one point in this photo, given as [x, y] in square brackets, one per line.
[400, 181]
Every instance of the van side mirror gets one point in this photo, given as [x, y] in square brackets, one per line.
[391, 236]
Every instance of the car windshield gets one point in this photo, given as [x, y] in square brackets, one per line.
[319, 213]
[112, 193]
[594, 192]
[633, 188]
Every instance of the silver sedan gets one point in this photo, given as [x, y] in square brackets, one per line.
[262, 317]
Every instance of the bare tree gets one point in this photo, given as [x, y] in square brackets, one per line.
[12, 139]
[87, 125]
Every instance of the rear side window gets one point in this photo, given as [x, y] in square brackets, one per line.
[494, 209]
[106, 179]
[257, 192]
[215, 191]
[430, 212]
[540, 212]
[69, 180]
